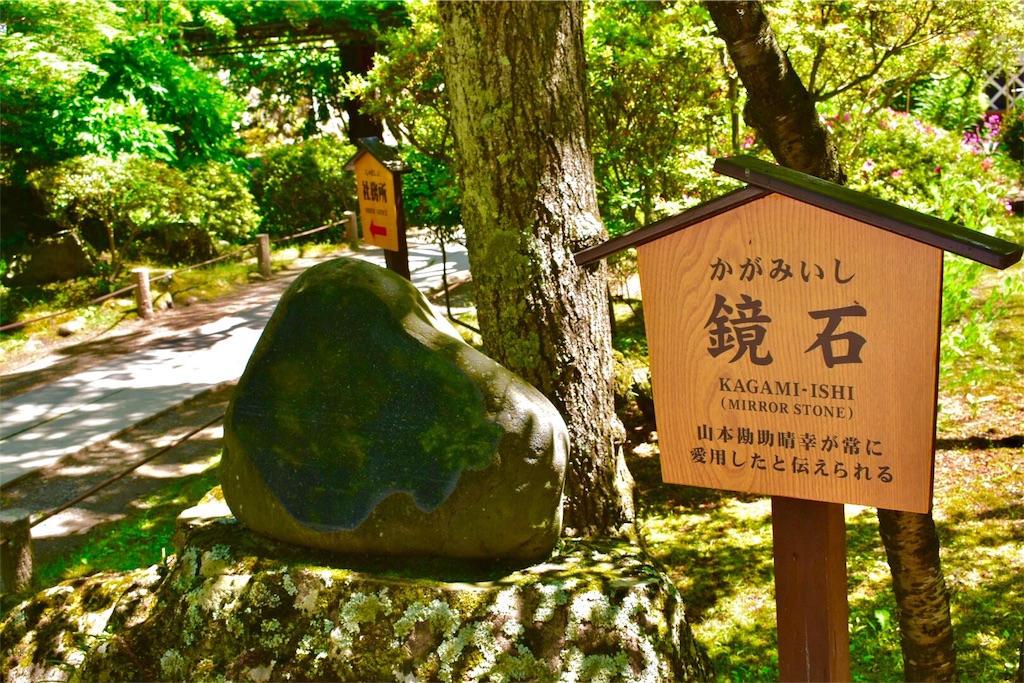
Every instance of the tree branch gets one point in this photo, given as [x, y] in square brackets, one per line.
[778, 104]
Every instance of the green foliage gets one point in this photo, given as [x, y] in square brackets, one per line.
[957, 178]
[87, 78]
[910, 161]
[304, 185]
[1012, 136]
[220, 209]
[288, 59]
[138, 199]
[191, 106]
[405, 88]
[430, 195]
[866, 56]
[953, 102]
[659, 101]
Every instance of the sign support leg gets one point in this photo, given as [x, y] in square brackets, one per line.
[810, 590]
[398, 261]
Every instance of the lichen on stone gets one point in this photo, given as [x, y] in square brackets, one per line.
[172, 665]
[593, 611]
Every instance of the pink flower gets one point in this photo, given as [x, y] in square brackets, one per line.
[938, 170]
[748, 143]
[868, 166]
[895, 175]
[986, 164]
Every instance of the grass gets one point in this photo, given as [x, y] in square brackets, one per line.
[139, 539]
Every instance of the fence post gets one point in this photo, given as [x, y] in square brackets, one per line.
[263, 255]
[143, 301]
[352, 232]
[16, 552]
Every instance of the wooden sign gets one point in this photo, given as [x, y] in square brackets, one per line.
[378, 203]
[793, 331]
[794, 353]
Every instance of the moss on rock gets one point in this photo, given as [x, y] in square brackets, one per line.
[234, 606]
[363, 423]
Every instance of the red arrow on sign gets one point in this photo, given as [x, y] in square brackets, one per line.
[378, 230]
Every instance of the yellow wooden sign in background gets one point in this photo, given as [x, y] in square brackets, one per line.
[375, 186]
[794, 353]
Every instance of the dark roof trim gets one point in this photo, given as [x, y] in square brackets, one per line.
[914, 225]
[387, 156]
[764, 178]
[666, 226]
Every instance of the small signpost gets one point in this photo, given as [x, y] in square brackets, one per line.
[793, 329]
[379, 172]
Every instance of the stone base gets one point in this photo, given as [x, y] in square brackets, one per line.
[233, 605]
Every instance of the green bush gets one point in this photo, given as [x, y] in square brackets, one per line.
[431, 196]
[951, 175]
[147, 207]
[1012, 135]
[304, 185]
[221, 209]
[956, 177]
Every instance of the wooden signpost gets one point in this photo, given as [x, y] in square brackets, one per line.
[379, 172]
[793, 330]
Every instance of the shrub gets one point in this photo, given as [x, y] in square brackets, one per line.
[953, 176]
[431, 196]
[304, 185]
[1012, 135]
[143, 203]
[221, 209]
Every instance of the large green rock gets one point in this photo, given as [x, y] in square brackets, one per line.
[232, 605]
[365, 424]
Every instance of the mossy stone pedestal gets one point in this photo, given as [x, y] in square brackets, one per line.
[233, 605]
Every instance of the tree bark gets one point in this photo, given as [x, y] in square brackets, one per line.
[778, 105]
[357, 58]
[515, 75]
[782, 111]
[922, 601]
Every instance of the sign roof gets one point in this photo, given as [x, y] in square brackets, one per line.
[386, 155]
[764, 178]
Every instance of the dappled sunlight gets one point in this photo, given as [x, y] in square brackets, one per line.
[73, 521]
[162, 470]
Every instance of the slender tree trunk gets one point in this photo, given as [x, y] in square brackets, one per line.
[783, 113]
[514, 73]
[778, 105]
[922, 601]
[357, 58]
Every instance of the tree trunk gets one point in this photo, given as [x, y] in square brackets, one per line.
[922, 601]
[1019, 678]
[514, 72]
[357, 58]
[781, 110]
[778, 105]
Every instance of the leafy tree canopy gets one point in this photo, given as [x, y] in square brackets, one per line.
[290, 58]
[859, 58]
[93, 78]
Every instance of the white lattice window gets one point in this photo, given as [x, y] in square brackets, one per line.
[1005, 89]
